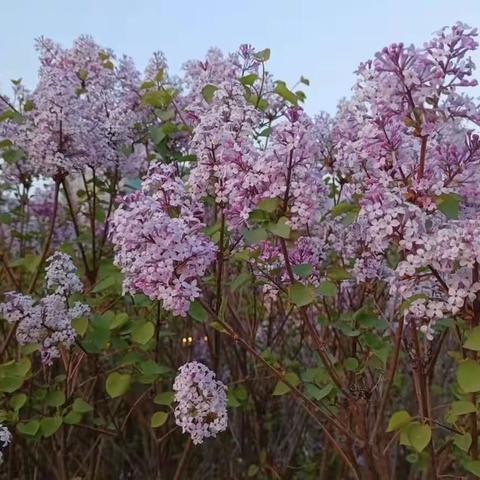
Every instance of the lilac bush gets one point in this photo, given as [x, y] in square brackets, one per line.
[199, 280]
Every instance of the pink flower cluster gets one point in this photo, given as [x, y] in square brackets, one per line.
[201, 408]
[158, 241]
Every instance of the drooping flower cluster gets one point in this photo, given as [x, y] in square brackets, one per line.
[5, 439]
[201, 402]
[48, 321]
[158, 241]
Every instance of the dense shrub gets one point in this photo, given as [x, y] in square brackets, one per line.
[200, 281]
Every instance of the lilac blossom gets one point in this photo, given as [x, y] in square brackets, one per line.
[61, 275]
[5, 439]
[158, 241]
[48, 321]
[201, 408]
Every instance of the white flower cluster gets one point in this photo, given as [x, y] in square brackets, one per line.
[5, 439]
[61, 275]
[201, 410]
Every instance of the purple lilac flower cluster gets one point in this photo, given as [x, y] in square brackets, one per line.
[48, 321]
[158, 241]
[201, 408]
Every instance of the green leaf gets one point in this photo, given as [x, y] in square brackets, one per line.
[55, 398]
[263, 55]
[143, 332]
[197, 312]
[232, 400]
[150, 367]
[29, 428]
[164, 398]
[160, 74]
[473, 340]
[462, 407]
[104, 284]
[338, 274]
[351, 364]
[318, 393]
[462, 442]
[80, 324]
[473, 466]
[49, 425]
[268, 204]
[301, 295]
[157, 134]
[118, 320]
[304, 80]
[13, 155]
[157, 99]
[10, 384]
[81, 406]
[239, 280]
[147, 84]
[282, 90]
[280, 229]
[282, 388]
[468, 376]
[328, 289]
[398, 420]
[367, 319]
[72, 418]
[117, 384]
[252, 470]
[449, 204]
[18, 401]
[254, 236]
[28, 106]
[208, 91]
[404, 439]
[343, 207]
[419, 436]
[260, 103]
[248, 79]
[158, 419]
[303, 270]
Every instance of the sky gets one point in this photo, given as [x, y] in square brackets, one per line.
[321, 40]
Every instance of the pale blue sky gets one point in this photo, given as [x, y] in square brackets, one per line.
[321, 40]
